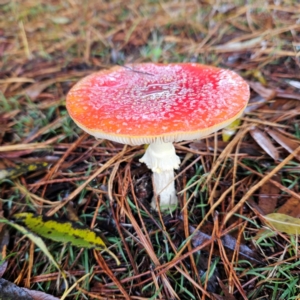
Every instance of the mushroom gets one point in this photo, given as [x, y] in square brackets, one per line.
[158, 104]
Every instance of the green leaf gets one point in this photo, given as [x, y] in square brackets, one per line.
[21, 169]
[38, 242]
[283, 223]
[67, 232]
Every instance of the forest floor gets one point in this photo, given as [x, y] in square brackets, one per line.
[224, 240]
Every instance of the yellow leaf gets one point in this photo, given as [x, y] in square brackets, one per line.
[67, 232]
[21, 169]
[283, 223]
[38, 242]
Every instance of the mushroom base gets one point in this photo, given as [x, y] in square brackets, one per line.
[161, 158]
[165, 189]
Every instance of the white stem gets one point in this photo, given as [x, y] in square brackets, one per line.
[161, 158]
[164, 188]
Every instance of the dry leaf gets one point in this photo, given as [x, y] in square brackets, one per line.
[10, 291]
[36, 295]
[268, 196]
[264, 92]
[238, 46]
[254, 104]
[294, 83]
[35, 89]
[283, 94]
[228, 241]
[265, 143]
[291, 208]
[247, 148]
[287, 143]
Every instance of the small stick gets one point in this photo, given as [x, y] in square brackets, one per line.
[136, 71]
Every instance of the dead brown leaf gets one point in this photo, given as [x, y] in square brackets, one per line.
[245, 147]
[9, 290]
[291, 208]
[36, 295]
[282, 94]
[286, 142]
[35, 89]
[268, 196]
[238, 45]
[255, 103]
[264, 142]
[264, 92]
[228, 241]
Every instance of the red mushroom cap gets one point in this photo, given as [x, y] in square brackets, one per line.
[145, 102]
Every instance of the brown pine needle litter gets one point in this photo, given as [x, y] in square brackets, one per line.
[217, 244]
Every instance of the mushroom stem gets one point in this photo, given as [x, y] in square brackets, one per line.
[164, 187]
[161, 158]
